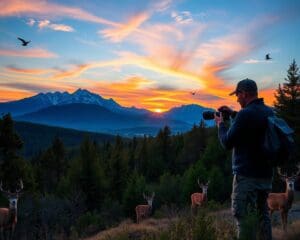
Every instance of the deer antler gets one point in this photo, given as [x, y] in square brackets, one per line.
[200, 184]
[281, 174]
[2, 190]
[298, 171]
[21, 187]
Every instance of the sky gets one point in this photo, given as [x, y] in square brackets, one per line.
[148, 54]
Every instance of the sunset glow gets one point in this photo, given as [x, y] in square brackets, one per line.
[158, 110]
[150, 54]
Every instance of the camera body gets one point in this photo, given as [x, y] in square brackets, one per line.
[226, 113]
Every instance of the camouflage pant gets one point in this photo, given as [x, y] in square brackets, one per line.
[250, 209]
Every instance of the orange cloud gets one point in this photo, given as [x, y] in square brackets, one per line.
[26, 71]
[118, 33]
[73, 72]
[28, 53]
[127, 58]
[139, 93]
[11, 95]
[43, 8]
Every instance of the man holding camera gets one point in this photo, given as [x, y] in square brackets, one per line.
[252, 179]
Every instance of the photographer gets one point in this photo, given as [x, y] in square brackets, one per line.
[252, 180]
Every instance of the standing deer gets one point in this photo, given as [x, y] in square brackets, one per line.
[198, 199]
[283, 201]
[144, 211]
[8, 216]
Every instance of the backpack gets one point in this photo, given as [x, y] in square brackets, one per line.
[279, 143]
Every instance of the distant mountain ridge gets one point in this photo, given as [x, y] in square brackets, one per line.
[44, 100]
[191, 113]
[83, 110]
[92, 117]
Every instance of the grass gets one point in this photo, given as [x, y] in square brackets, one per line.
[206, 225]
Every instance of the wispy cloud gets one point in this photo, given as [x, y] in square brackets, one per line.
[162, 5]
[56, 27]
[253, 61]
[43, 8]
[76, 71]
[31, 71]
[31, 22]
[28, 53]
[183, 17]
[31, 87]
[118, 33]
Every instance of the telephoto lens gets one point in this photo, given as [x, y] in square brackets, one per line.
[209, 115]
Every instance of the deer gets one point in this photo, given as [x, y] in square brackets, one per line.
[8, 216]
[197, 198]
[144, 211]
[282, 202]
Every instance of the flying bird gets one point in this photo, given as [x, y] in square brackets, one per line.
[193, 93]
[24, 42]
[268, 56]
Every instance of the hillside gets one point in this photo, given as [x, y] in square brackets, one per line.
[38, 137]
[95, 118]
[176, 225]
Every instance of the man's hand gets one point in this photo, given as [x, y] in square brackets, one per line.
[225, 109]
[218, 119]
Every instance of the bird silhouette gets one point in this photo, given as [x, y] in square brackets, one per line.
[193, 93]
[24, 42]
[268, 56]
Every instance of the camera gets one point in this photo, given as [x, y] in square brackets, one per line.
[226, 113]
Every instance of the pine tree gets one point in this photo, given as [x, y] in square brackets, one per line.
[135, 186]
[10, 141]
[118, 169]
[288, 96]
[12, 166]
[287, 103]
[59, 154]
[91, 175]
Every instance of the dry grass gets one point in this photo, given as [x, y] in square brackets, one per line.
[146, 227]
[223, 222]
[293, 232]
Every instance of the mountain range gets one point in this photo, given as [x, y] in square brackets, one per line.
[84, 110]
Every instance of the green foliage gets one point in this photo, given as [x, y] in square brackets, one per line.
[220, 185]
[88, 223]
[133, 194]
[12, 166]
[10, 141]
[169, 190]
[86, 175]
[51, 166]
[117, 169]
[92, 178]
[190, 179]
[287, 103]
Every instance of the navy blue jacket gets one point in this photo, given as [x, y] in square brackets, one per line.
[245, 136]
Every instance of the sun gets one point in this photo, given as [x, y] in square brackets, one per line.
[158, 110]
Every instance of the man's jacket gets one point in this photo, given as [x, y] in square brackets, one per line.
[246, 136]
